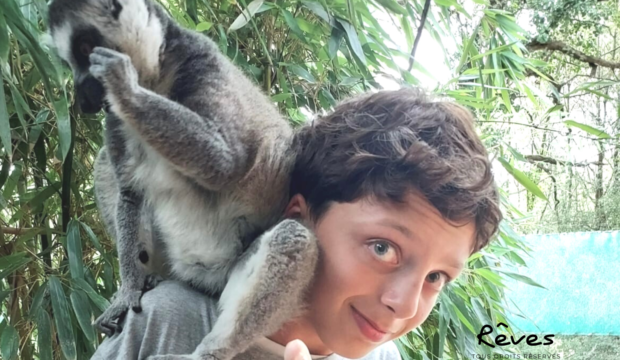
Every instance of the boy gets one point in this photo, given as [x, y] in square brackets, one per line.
[399, 192]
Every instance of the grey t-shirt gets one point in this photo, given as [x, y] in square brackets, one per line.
[174, 320]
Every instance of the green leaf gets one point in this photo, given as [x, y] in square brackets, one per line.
[3, 295]
[334, 42]
[5, 127]
[4, 39]
[11, 183]
[44, 335]
[522, 278]
[522, 179]
[318, 9]
[353, 40]
[62, 319]
[44, 194]
[9, 342]
[246, 15]
[74, 248]
[281, 97]
[587, 128]
[204, 26]
[292, 24]
[303, 73]
[393, 6]
[83, 313]
[491, 276]
[509, 25]
[99, 300]
[64, 125]
[11, 263]
[493, 51]
[37, 301]
[93, 238]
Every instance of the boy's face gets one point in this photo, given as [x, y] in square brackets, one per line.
[382, 267]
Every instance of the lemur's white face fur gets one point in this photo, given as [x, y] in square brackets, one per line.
[128, 26]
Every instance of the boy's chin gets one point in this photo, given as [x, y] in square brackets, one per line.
[350, 347]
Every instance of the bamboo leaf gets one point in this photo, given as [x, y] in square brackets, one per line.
[522, 278]
[353, 40]
[303, 73]
[83, 313]
[9, 342]
[334, 42]
[11, 263]
[44, 335]
[522, 179]
[74, 248]
[587, 128]
[64, 125]
[12, 180]
[246, 15]
[4, 40]
[393, 6]
[99, 300]
[281, 97]
[5, 127]
[318, 9]
[62, 319]
[93, 238]
[292, 24]
[491, 276]
[38, 301]
[204, 26]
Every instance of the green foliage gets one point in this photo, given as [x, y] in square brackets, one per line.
[58, 265]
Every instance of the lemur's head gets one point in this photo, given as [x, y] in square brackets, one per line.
[128, 26]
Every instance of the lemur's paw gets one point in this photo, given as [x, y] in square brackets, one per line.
[293, 243]
[182, 357]
[114, 69]
[151, 281]
[110, 321]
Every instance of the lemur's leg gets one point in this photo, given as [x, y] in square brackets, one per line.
[266, 288]
[205, 147]
[129, 204]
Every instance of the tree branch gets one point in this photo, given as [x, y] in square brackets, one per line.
[535, 158]
[555, 45]
[22, 231]
[427, 5]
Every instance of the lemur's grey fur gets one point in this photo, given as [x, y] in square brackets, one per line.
[197, 163]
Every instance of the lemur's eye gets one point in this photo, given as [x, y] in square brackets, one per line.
[86, 48]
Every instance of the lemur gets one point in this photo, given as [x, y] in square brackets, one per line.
[196, 155]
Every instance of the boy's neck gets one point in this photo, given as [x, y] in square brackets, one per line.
[302, 329]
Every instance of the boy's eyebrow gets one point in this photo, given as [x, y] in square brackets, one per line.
[398, 227]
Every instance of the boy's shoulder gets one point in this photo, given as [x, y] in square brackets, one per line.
[387, 351]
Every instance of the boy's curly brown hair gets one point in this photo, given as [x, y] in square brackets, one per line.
[385, 145]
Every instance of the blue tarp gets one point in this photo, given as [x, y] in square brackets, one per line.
[581, 272]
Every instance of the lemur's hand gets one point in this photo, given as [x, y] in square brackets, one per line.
[115, 71]
[296, 350]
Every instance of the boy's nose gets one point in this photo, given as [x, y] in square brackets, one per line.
[402, 295]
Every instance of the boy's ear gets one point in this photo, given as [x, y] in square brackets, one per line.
[297, 208]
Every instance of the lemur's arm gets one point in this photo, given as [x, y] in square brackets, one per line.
[127, 204]
[200, 147]
[267, 287]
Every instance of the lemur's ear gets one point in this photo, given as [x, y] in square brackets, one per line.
[115, 7]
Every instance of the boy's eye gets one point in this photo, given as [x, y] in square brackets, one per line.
[385, 252]
[436, 279]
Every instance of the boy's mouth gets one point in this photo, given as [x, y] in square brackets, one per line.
[368, 328]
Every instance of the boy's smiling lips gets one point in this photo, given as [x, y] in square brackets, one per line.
[369, 328]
